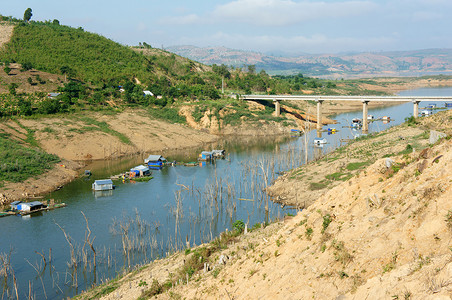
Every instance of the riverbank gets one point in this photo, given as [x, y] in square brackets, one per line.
[382, 233]
[100, 136]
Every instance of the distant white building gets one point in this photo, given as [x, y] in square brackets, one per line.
[53, 95]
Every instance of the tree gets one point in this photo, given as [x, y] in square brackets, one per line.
[66, 71]
[28, 14]
[56, 22]
[12, 88]
[27, 66]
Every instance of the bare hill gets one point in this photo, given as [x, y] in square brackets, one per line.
[369, 64]
[6, 31]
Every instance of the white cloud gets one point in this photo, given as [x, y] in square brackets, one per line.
[275, 12]
[287, 12]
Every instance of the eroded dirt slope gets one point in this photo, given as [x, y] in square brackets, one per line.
[386, 233]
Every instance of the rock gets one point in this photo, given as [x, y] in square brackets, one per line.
[422, 166]
[435, 136]
[425, 153]
[222, 260]
[388, 162]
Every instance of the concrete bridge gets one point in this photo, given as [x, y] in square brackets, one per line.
[364, 99]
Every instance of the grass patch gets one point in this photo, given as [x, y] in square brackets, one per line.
[338, 176]
[109, 288]
[168, 114]
[104, 127]
[315, 186]
[19, 163]
[357, 165]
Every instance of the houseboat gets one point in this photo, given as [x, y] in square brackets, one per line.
[205, 155]
[103, 185]
[140, 171]
[448, 104]
[218, 153]
[26, 208]
[425, 113]
[155, 162]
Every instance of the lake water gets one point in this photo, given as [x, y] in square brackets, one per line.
[138, 222]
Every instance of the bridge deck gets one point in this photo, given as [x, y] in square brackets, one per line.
[348, 98]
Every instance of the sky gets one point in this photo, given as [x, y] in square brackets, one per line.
[278, 27]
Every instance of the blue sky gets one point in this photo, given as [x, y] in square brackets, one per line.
[268, 26]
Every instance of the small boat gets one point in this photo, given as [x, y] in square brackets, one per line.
[425, 113]
[332, 131]
[319, 141]
[356, 123]
[191, 164]
[370, 117]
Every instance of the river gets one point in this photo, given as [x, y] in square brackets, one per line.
[138, 222]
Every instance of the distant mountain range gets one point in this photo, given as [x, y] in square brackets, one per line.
[365, 64]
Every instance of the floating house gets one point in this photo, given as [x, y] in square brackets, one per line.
[205, 155]
[370, 117]
[103, 185]
[431, 106]
[140, 171]
[448, 104]
[14, 205]
[29, 207]
[155, 161]
[218, 153]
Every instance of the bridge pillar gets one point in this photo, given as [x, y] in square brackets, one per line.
[416, 108]
[277, 107]
[365, 121]
[319, 114]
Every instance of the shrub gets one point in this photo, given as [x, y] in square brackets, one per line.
[327, 219]
[238, 226]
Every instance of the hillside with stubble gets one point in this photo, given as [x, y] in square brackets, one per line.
[385, 233]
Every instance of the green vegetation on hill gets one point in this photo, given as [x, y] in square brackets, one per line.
[19, 163]
[74, 52]
[95, 73]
